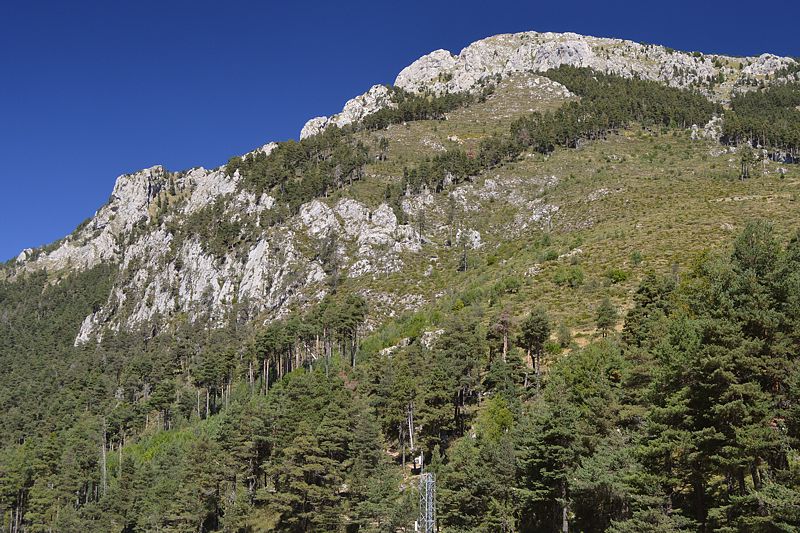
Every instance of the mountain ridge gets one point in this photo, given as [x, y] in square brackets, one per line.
[441, 71]
[421, 75]
[270, 272]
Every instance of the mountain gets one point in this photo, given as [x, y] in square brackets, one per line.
[269, 270]
[207, 324]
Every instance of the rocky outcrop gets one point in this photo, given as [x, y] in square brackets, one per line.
[98, 239]
[24, 255]
[500, 55]
[540, 52]
[164, 270]
[314, 126]
[132, 204]
[158, 280]
[424, 73]
[155, 284]
[379, 239]
[766, 64]
[318, 219]
[354, 110]
[712, 130]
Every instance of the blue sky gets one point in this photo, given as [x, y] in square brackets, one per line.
[93, 89]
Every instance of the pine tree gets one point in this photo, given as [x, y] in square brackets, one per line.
[547, 450]
[718, 393]
[373, 480]
[196, 505]
[463, 496]
[306, 485]
[606, 317]
[534, 332]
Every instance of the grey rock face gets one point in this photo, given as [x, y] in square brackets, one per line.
[539, 52]
[24, 255]
[314, 126]
[499, 55]
[712, 130]
[160, 277]
[98, 240]
[766, 64]
[423, 72]
[354, 110]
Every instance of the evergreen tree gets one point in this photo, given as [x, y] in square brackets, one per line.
[196, 505]
[306, 484]
[534, 332]
[606, 317]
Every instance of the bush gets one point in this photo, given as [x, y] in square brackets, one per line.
[552, 348]
[564, 335]
[550, 255]
[570, 276]
[616, 275]
[509, 285]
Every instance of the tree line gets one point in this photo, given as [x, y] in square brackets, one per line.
[608, 103]
[769, 118]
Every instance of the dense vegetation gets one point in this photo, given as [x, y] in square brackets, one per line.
[411, 106]
[769, 118]
[687, 420]
[44, 317]
[295, 172]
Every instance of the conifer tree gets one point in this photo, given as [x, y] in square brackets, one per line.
[534, 332]
[306, 485]
[606, 317]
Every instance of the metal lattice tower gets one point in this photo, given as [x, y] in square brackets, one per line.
[427, 503]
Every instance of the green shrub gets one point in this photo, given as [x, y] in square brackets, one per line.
[571, 276]
[616, 275]
[564, 335]
[550, 255]
[552, 348]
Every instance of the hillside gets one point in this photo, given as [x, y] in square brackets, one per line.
[560, 268]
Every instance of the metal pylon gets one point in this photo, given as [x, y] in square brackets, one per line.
[427, 503]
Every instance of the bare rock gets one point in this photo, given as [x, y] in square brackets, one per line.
[354, 110]
[767, 64]
[318, 218]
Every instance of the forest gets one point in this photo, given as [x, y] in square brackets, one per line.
[686, 419]
[768, 118]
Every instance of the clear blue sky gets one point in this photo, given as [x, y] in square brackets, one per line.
[93, 89]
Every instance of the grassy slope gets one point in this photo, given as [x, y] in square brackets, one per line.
[660, 194]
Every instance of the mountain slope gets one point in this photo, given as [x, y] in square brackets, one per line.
[439, 271]
[269, 270]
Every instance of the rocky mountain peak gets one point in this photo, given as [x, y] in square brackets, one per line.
[441, 71]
